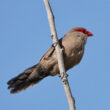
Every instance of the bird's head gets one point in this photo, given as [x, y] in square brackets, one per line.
[83, 30]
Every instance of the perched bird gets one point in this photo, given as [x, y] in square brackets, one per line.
[73, 44]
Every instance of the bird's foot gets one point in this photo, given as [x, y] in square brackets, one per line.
[64, 75]
[54, 44]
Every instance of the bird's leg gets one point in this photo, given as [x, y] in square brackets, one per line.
[64, 75]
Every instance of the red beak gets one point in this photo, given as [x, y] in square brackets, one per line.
[89, 33]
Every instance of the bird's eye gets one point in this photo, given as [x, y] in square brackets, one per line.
[84, 31]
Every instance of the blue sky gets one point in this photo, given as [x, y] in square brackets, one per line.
[25, 37]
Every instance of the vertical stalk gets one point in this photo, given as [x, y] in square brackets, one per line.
[59, 53]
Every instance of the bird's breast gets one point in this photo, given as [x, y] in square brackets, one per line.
[73, 58]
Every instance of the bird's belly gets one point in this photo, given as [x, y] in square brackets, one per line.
[73, 59]
[70, 60]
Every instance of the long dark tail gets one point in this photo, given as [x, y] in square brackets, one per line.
[28, 78]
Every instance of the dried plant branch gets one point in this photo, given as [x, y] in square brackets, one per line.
[59, 52]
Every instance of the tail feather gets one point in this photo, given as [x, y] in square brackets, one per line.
[28, 78]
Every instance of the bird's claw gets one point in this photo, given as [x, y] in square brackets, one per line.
[64, 75]
[54, 44]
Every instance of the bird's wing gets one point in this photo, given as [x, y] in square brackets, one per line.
[49, 53]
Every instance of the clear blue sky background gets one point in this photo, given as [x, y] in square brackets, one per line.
[25, 37]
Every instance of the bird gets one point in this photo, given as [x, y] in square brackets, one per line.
[73, 45]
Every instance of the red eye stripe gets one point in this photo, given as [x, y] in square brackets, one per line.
[83, 30]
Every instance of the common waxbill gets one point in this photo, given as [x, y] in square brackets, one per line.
[73, 44]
